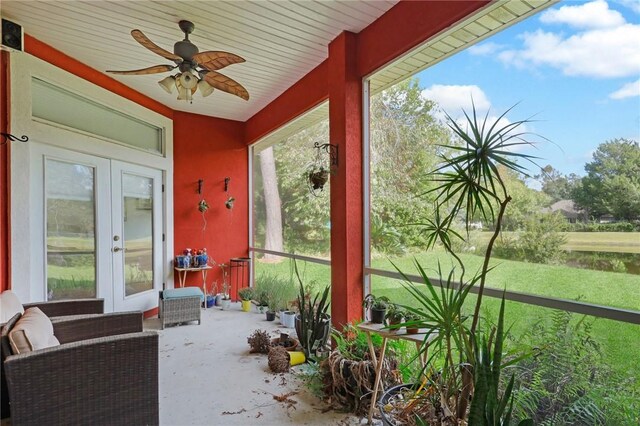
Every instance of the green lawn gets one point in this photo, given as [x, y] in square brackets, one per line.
[598, 287]
[619, 341]
[614, 242]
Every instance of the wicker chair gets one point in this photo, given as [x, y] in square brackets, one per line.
[105, 371]
[178, 310]
[58, 308]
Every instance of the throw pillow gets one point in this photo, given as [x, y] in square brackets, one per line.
[32, 331]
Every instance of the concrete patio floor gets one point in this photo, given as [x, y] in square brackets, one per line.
[208, 376]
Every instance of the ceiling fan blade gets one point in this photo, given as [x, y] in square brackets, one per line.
[144, 40]
[213, 60]
[151, 70]
[226, 84]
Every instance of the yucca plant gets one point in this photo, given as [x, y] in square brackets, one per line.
[468, 186]
[439, 313]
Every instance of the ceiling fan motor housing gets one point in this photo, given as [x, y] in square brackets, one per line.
[185, 49]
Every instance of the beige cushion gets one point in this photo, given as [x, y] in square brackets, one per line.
[32, 331]
[9, 306]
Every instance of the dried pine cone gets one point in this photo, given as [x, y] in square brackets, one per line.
[279, 359]
[259, 342]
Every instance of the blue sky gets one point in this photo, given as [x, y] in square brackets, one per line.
[575, 66]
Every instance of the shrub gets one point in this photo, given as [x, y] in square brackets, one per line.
[539, 243]
[553, 385]
[602, 227]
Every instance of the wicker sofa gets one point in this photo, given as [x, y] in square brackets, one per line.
[105, 371]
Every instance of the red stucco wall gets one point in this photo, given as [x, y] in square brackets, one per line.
[210, 149]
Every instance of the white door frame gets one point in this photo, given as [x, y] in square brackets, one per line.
[24, 226]
[147, 299]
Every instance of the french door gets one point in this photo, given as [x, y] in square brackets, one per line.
[101, 229]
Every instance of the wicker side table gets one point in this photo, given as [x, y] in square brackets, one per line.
[178, 309]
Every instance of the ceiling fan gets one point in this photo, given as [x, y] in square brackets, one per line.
[198, 70]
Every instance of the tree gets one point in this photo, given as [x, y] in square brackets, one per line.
[612, 184]
[405, 138]
[273, 215]
[556, 185]
[525, 201]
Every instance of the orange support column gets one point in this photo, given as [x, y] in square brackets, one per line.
[345, 130]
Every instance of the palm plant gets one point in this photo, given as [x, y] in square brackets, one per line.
[468, 186]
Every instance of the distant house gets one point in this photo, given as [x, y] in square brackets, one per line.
[606, 218]
[568, 209]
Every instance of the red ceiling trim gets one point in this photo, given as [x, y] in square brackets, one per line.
[405, 26]
[305, 94]
[55, 57]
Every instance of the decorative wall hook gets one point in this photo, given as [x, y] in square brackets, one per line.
[200, 185]
[226, 184]
[330, 149]
[9, 137]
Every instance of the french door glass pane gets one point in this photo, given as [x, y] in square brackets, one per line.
[138, 233]
[70, 222]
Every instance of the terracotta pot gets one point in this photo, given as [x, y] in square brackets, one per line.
[292, 346]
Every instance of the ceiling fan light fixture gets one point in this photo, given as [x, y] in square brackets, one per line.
[188, 80]
[183, 93]
[168, 83]
[205, 88]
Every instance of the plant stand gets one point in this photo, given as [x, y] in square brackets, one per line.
[386, 334]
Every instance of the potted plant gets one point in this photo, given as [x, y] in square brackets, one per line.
[395, 315]
[272, 306]
[288, 319]
[469, 185]
[318, 176]
[262, 300]
[377, 306]
[246, 295]
[313, 323]
[286, 341]
[225, 304]
[229, 203]
[412, 323]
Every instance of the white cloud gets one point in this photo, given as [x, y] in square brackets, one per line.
[600, 53]
[595, 14]
[629, 90]
[485, 49]
[454, 98]
[631, 4]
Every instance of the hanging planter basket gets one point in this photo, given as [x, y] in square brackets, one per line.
[318, 178]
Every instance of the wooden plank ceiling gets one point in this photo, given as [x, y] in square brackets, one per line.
[280, 40]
